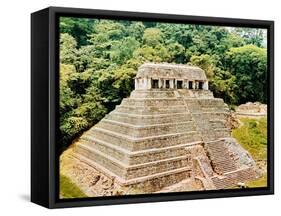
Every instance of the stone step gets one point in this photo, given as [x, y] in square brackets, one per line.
[197, 106]
[158, 181]
[205, 101]
[216, 143]
[148, 119]
[222, 183]
[184, 93]
[137, 157]
[219, 115]
[222, 120]
[189, 93]
[224, 169]
[128, 142]
[205, 111]
[114, 151]
[219, 133]
[243, 175]
[159, 166]
[218, 123]
[148, 183]
[147, 130]
[217, 151]
[202, 94]
[209, 133]
[216, 147]
[154, 102]
[233, 178]
[221, 169]
[208, 102]
[220, 158]
[150, 110]
[213, 109]
[152, 115]
[126, 171]
[152, 94]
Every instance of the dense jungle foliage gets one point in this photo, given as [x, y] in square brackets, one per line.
[99, 59]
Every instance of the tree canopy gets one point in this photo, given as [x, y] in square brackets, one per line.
[99, 59]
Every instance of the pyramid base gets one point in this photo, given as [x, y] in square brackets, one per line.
[95, 180]
[147, 184]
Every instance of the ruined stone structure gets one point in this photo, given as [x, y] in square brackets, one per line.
[250, 109]
[170, 76]
[170, 129]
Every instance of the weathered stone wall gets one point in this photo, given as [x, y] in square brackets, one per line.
[256, 109]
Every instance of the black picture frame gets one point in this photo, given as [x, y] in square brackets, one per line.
[44, 106]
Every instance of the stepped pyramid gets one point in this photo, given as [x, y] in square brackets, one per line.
[170, 129]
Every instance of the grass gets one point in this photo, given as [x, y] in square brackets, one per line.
[68, 189]
[252, 135]
[261, 182]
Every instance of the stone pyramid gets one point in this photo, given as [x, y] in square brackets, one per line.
[170, 129]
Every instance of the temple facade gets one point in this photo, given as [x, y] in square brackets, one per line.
[169, 76]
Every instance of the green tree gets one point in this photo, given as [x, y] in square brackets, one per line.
[105, 35]
[253, 36]
[136, 30]
[206, 62]
[123, 51]
[150, 54]
[81, 104]
[152, 37]
[177, 53]
[68, 49]
[249, 65]
[223, 85]
[79, 28]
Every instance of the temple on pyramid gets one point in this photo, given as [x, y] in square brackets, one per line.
[169, 130]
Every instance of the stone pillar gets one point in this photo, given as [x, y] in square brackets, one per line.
[149, 83]
[172, 83]
[193, 84]
[206, 85]
[145, 83]
[164, 83]
[160, 83]
[136, 83]
[185, 84]
[139, 83]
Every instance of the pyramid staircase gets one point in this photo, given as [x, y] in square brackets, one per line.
[143, 141]
[220, 159]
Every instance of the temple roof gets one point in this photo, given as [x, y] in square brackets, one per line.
[172, 71]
